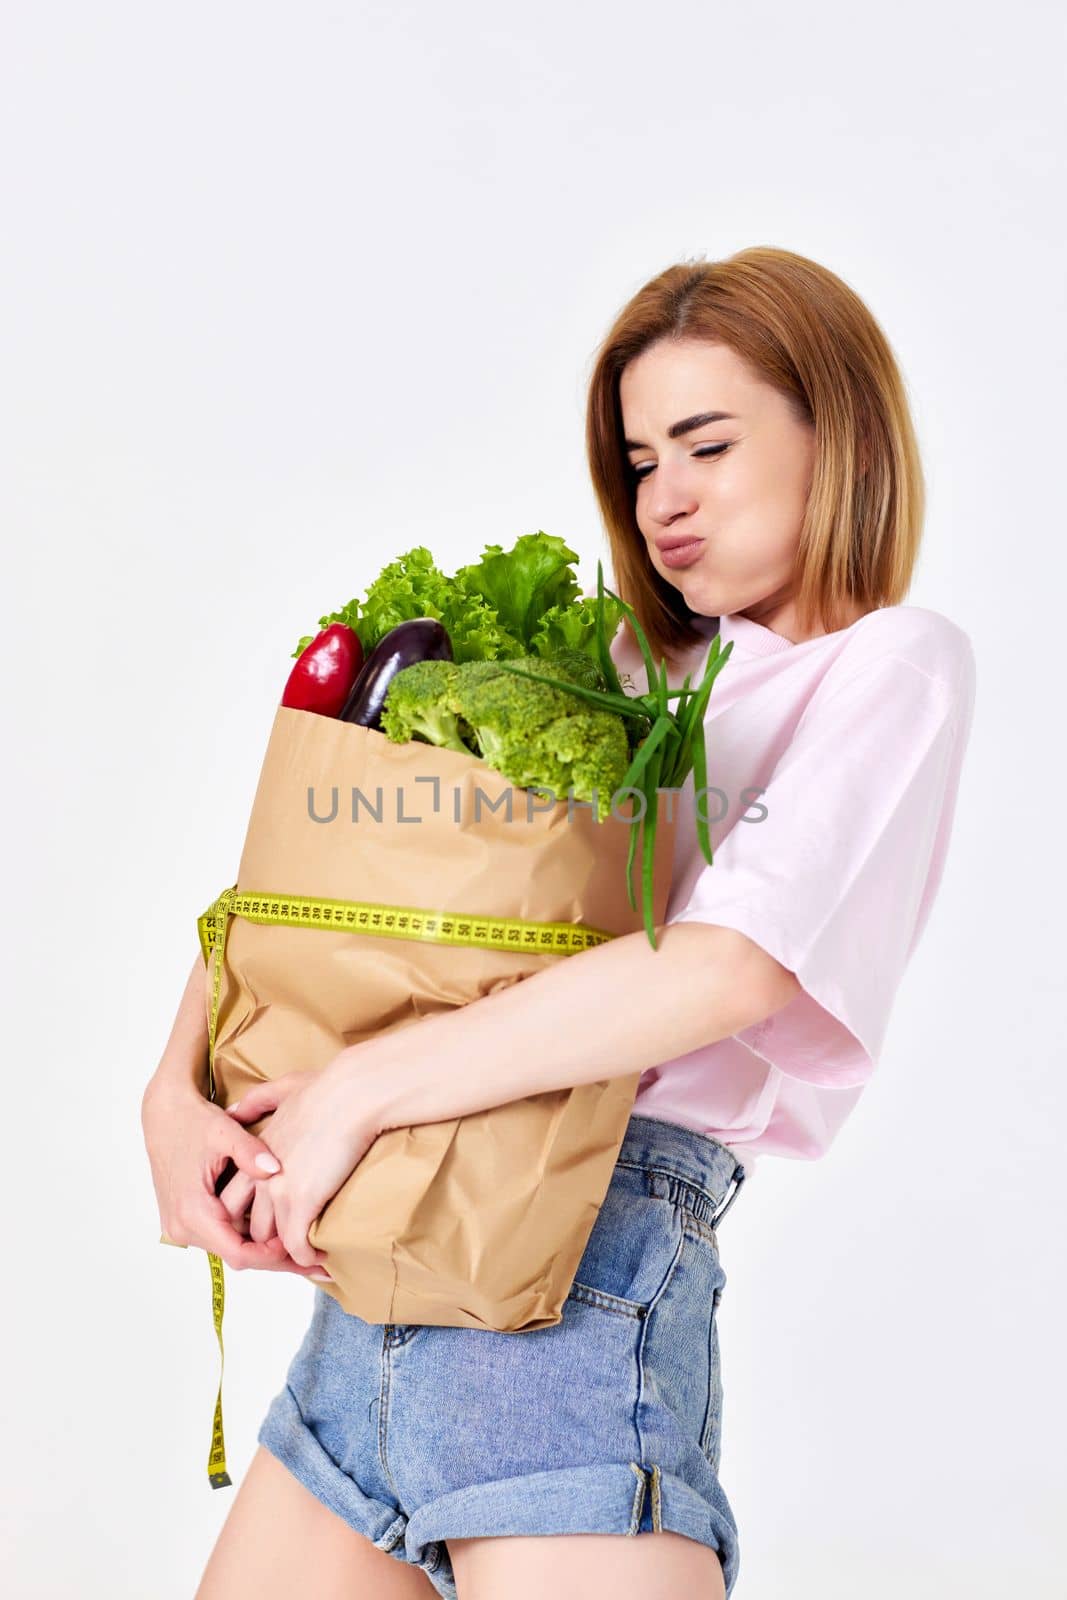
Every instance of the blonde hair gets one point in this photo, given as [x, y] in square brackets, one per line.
[805, 331]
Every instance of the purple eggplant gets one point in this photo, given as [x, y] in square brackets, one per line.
[418, 639]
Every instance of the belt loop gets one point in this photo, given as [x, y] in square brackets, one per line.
[737, 1180]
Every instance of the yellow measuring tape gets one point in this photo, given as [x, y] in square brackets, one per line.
[381, 921]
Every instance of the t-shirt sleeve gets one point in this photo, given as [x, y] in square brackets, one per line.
[837, 878]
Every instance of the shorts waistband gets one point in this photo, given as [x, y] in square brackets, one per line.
[696, 1158]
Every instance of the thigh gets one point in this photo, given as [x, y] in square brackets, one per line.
[573, 1566]
[277, 1534]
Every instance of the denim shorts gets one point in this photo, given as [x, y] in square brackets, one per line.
[609, 1422]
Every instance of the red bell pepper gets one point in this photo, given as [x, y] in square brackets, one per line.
[325, 672]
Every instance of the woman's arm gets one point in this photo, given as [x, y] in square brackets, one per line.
[183, 1064]
[608, 1012]
[618, 1008]
[190, 1141]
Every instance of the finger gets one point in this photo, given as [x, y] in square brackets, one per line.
[306, 1256]
[261, 1098]
[262, 1222]
[237, 1195]
[293, 1225]
[245, 1150]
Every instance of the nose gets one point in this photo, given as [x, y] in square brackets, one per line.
[670, 499]
[671, 493]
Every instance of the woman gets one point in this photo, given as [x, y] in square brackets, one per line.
[756, 467]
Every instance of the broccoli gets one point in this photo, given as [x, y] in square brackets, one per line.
[533, 734]
[419, 704]
[595, 750]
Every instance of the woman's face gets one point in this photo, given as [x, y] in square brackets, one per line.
[736, 483]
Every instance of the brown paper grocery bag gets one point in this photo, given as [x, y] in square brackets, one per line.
[478, 1222]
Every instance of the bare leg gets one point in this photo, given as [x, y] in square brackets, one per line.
[573, 1566]
[279, 1541]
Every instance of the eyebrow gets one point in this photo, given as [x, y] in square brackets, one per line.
[687, 425]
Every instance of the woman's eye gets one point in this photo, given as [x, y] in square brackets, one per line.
[705, 450]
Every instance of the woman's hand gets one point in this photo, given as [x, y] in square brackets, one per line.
[320, 1128]
[189, 1140]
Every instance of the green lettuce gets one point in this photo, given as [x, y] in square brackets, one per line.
[520, 602]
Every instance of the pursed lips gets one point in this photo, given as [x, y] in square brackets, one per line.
[681, 552]
[676, 543]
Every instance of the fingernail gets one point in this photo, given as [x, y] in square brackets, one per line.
[234, 1106]
[267, 1163]
[320, 1277]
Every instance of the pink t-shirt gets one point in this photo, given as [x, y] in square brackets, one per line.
[837, 764]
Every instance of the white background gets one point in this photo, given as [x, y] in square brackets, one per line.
[287, 290]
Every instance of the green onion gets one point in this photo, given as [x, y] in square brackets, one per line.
[670, 744]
